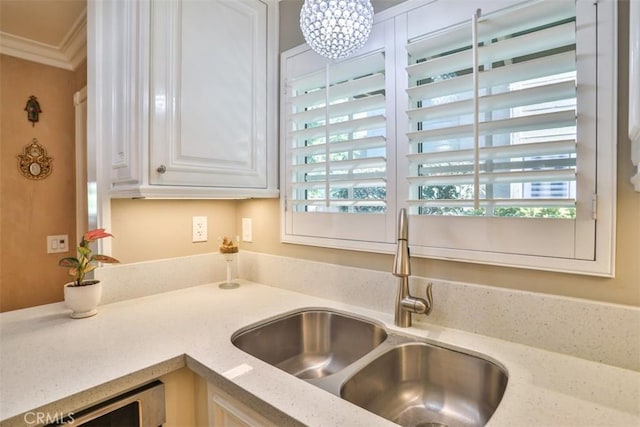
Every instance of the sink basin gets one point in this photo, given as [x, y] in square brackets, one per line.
[417, 384]
[311, 343]
[409, 382]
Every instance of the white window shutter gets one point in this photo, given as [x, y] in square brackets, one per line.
[336, 156]
[537, 134]
[525, 112]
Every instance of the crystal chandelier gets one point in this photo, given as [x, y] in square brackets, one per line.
[336, 28]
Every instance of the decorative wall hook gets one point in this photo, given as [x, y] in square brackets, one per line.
[33, 110]
[34, 162]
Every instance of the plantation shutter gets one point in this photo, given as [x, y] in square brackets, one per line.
[482, 123]
[335, 143]
[338, 138]
[498, 138]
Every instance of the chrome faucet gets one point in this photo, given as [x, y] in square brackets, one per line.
[405, 303]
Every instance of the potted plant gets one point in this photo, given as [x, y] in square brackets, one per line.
[83, 296]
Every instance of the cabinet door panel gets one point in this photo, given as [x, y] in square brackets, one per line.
[209, 71]
[121, 78]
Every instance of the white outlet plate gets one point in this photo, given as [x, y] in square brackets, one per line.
[58, 244]
[199, 229]
[247, 230]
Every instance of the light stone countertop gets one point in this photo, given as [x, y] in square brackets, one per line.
[50, 362]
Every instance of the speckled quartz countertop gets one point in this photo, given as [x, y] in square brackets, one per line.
[51, 362]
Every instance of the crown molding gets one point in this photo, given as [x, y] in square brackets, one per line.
[69, 54]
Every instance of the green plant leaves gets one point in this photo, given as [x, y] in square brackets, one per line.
[103, 258]
[69, 262]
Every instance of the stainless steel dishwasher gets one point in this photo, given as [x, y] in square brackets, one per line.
[142, 407]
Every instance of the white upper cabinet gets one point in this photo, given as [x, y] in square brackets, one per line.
[206, 74]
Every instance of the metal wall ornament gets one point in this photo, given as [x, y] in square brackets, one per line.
[33, 110]
[34, 162]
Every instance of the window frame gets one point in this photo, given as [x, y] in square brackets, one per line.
[604, 205]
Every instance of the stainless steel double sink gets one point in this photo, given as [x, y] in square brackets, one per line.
[400, 378]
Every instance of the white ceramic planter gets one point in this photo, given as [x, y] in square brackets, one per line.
[83, 300]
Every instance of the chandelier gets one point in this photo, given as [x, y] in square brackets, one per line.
[336, 28]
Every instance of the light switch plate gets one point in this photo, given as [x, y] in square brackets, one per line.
[58, 244]
[247, 230]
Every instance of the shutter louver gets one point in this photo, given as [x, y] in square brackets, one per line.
[525, 111]
[337, 137]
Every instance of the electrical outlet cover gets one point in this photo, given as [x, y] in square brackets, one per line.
[199, 229]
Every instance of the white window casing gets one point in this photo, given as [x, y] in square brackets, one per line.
[529, 130]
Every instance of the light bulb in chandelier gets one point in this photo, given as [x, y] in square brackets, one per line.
[336, 28]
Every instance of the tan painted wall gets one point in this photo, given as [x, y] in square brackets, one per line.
[154, 229]
[29, 209]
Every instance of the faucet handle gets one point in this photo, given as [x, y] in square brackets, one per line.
[429, 299]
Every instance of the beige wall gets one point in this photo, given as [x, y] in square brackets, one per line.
[32, 209]
[153, 229]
